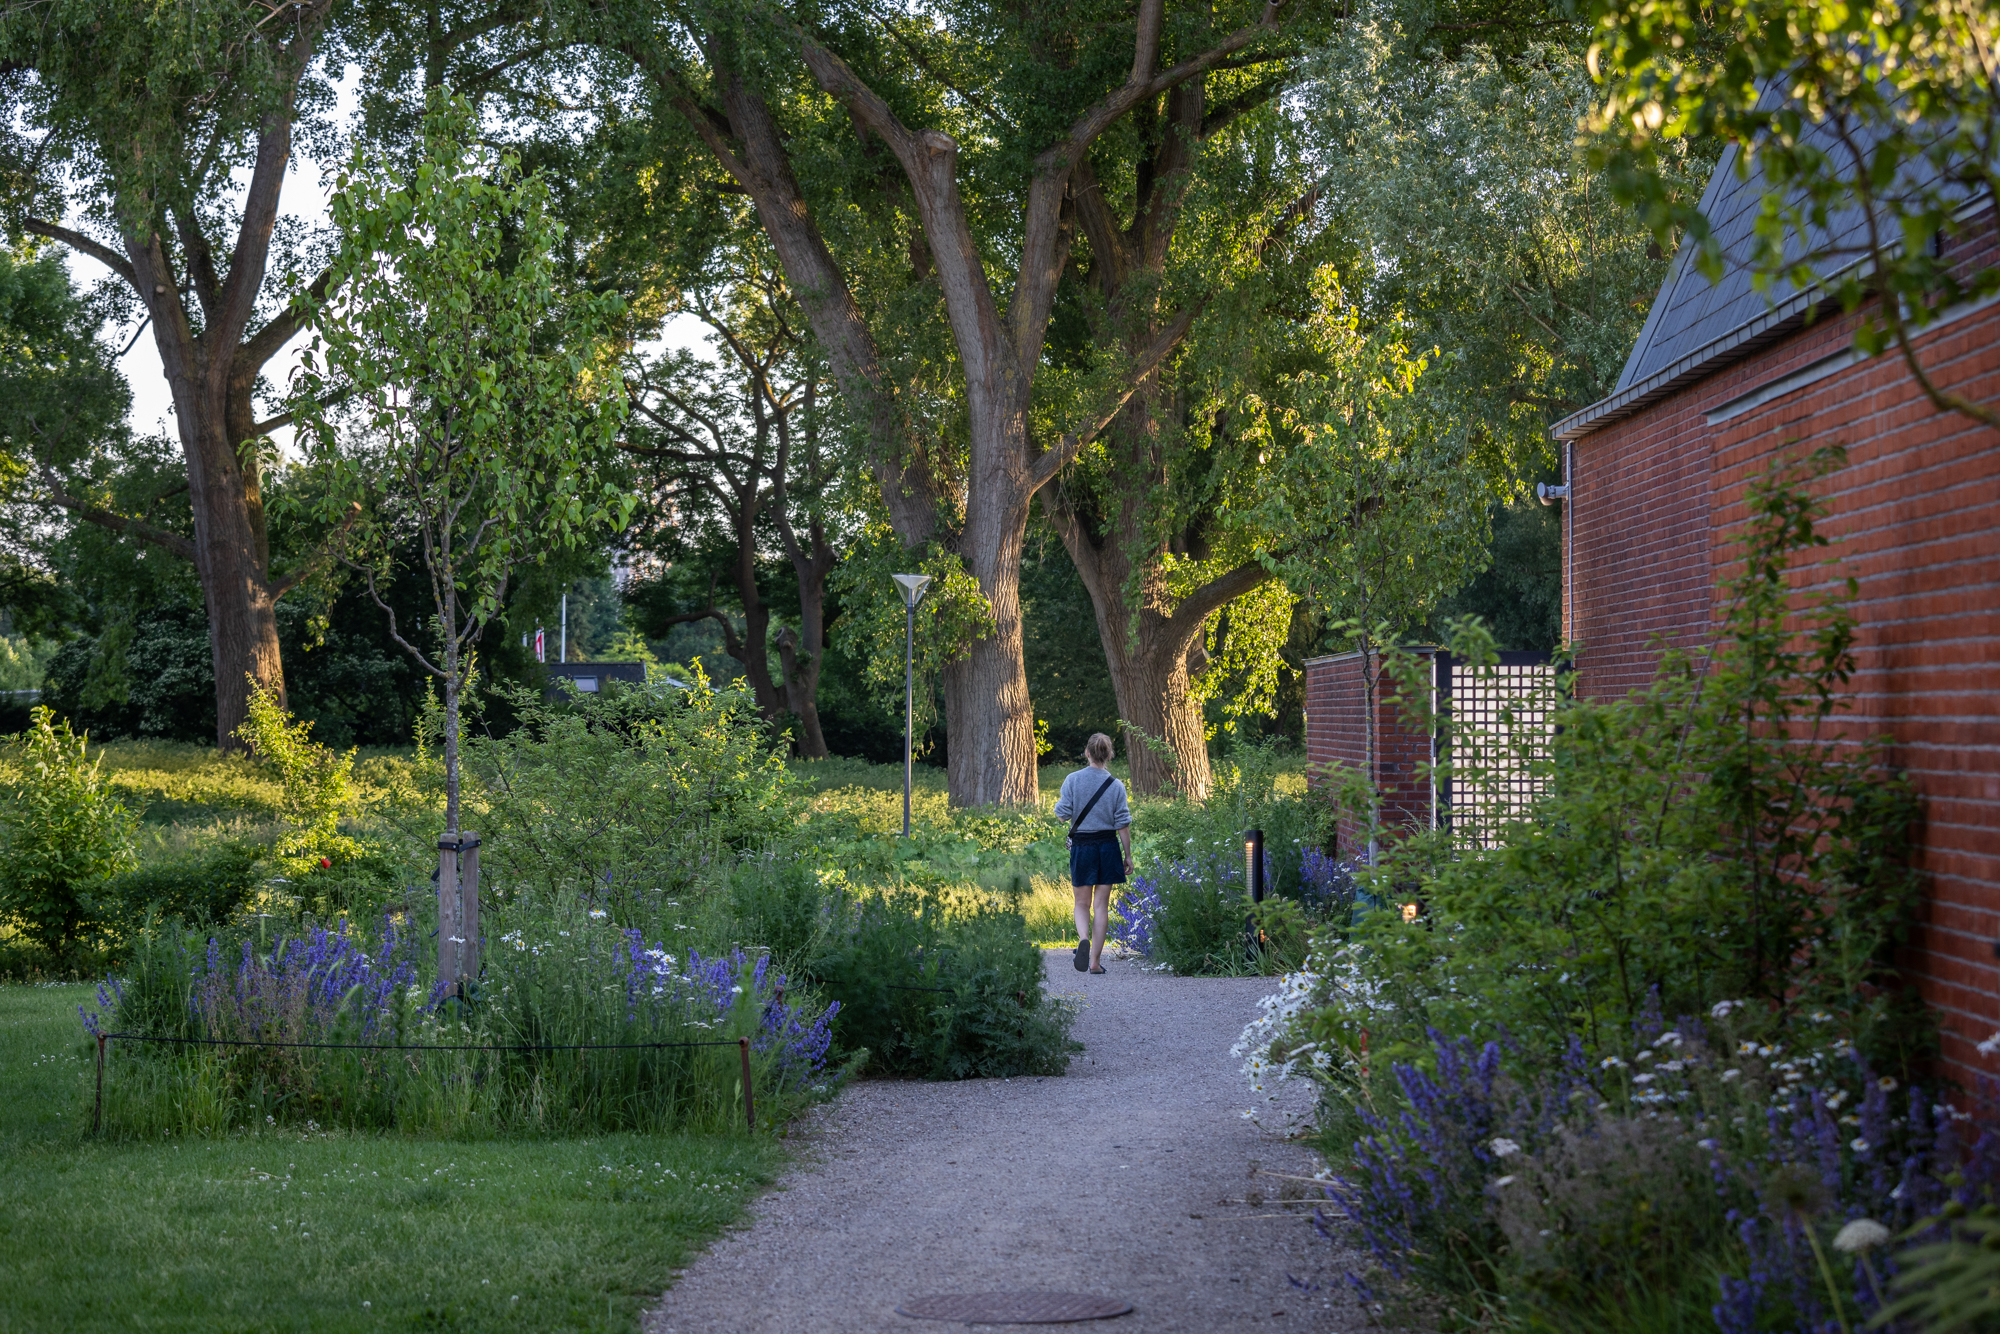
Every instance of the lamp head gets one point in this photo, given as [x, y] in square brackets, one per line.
[912, 586]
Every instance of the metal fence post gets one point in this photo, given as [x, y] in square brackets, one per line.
[749, 1096]
[97, 1112]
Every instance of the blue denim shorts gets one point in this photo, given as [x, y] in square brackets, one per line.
[1095, 859]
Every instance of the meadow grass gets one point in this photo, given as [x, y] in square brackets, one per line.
[296, 1232]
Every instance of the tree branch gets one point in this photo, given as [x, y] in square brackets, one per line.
[117, 523]
[1058, 456]
[326, 551]
[1217, 593]
[266, 343]
[82, 244]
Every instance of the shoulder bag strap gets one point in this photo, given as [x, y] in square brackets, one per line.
[1102, 788]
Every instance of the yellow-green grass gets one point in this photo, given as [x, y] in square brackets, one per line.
[331, 1232]
[174, 782]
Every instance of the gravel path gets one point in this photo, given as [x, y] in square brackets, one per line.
[1125, 1178]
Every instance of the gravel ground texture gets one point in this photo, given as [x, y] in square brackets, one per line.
[1133, 1177]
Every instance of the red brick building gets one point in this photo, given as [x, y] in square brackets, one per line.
[1337, 735]
[1723, 383]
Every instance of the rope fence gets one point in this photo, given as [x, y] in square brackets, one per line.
[742, 1046]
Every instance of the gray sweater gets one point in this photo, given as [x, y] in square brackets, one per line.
[1110, 812]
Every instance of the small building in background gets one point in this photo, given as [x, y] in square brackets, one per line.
[590, 677]
[1502, 703]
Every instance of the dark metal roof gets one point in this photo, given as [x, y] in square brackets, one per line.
[1696, 327]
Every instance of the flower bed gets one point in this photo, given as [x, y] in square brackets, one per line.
[555, 1037]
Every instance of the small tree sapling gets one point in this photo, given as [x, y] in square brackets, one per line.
[484, 398]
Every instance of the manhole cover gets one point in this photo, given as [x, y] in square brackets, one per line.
[1013, 1308]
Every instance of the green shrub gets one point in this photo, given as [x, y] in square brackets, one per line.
[62, 835]
[206, 888]
[929, 984]
[941, 990]
[631, 793]
[1716, 836]
[1625, 1018]
[1188, 869]
[317, 782]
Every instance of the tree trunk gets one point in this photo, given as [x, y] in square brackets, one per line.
[452, 695]
[989, 719]
[232, 558]
[801, 654]
[1153, 650]
[754, 650]
[212, 374]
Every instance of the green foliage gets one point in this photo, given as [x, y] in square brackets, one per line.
[1518, 596]
[207, 888]
[1953, 1282]
[63, 833]
[1482, 230]
[552, 1041]
[1190, 854]
[487, 396]
[629, 794]
[873, 628]
[1716, 836]
[61, 398]
[23, 660]
[149, 673]
[317, 782]
[1201, 928]
[929, 986]
[1381, 494]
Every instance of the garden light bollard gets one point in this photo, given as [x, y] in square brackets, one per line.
[913, 593]
[1253, 879]
[749, 1096]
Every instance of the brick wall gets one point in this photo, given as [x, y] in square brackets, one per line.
[1916, 518]
[1337, 738]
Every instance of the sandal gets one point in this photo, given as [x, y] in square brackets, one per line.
[1081, 955]
[1097, 968]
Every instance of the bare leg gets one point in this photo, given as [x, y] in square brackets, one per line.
[1083, 912]
[1102, 894]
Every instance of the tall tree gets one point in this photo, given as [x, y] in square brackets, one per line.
[1054, 84]
[173, 124]
[1153, 516]
[738, 452]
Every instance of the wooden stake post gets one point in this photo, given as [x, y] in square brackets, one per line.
[458, 911]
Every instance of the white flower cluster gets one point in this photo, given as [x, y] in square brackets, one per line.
[1297, 993]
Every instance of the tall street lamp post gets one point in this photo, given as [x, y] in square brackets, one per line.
[913, 593]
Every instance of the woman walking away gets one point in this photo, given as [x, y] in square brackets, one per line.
[1099, 822]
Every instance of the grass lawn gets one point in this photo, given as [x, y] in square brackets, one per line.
[330, 1232]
